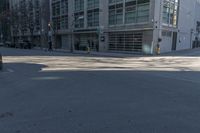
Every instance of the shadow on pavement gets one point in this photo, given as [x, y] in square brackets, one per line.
[98, 101]
[27, 52]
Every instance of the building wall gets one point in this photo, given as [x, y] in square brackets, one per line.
[188, 15]
[152, 29]
[103, 29]
[186, 23]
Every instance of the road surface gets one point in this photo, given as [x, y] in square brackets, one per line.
[48, 92]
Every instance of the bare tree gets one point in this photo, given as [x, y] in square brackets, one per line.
[4, 19]
[14, 21]
[23, 17]
[45, 19]
[30, 19]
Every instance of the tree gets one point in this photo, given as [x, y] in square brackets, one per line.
[45, 19]
[30, 18]
[4, 19]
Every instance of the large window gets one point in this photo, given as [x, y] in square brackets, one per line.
[60, 14]
[56, 23]
[130, 12]
[143, 10]
[79, 19]
[56, 8]
[115, 1]
[93, 13]
[93, 4]
[64, 22]
[64, 6]
[116, 14]
[136, 11]
[79, 5]
[170, 9]
[93, 17]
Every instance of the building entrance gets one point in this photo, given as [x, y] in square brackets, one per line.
[126, 41]
[174, 41]
[83, 41]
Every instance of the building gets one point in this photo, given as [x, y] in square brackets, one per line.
[29, 21]
[135, 26]
[4, 21]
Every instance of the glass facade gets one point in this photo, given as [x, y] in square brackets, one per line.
[79, 13]
[120, 25]
[60, 14]
[79, 5]
[79, 19]
[116, 14]
[170, 15]
[126, 41]
[92, 13]
[136, 11]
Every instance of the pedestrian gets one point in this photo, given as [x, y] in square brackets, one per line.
[97, 47]
[50, 46]
[92, 44]
[89, 43]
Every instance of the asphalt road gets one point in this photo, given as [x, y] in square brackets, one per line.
[47, 92]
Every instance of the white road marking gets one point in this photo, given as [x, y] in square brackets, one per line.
[10, 70]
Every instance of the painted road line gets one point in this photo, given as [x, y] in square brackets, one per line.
[10, 70]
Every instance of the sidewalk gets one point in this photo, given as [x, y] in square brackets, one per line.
[94, 53]
[184, 52]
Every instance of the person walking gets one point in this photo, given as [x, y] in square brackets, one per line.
[50, 45]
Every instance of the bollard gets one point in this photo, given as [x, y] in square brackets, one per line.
[1, 63]
[158, 49]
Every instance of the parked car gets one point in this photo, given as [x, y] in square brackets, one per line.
[28, 44]
[9, 44]
[19, 44]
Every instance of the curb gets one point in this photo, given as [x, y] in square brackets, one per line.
[93, 53]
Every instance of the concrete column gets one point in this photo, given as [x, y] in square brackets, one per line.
[71, 22]
[85, 13]
[103, 24]
[157, 33]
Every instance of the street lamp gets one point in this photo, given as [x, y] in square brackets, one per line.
[72, 32]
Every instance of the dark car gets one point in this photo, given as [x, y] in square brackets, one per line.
[28, 44]
[9, 44]
[19, 44]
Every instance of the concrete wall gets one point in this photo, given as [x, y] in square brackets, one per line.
[188, 15]
[187, 18]
[186, 23]
[166, 44]
[156, 22]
